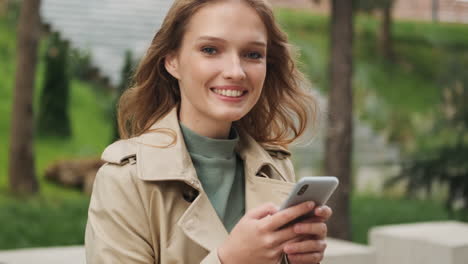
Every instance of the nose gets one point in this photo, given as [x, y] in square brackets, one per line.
[233, 68]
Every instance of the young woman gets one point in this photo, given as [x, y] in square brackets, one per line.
[203, 162]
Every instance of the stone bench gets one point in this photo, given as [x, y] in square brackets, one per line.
[344, 252]
[338, 252]
[425, 243]
[53, 255]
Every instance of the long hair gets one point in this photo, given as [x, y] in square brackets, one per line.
[282, 112]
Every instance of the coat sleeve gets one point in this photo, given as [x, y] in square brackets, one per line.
[117, 230]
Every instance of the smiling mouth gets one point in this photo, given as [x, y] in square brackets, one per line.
[229, 92]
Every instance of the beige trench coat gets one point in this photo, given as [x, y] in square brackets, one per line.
[148, 206]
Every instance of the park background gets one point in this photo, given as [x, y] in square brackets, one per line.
[410, 116]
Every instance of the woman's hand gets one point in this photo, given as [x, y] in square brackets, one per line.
[260, 236]
[310, 246]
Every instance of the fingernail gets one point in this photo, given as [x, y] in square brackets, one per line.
[311, 204]
[319, 210]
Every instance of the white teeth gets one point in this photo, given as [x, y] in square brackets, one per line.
[230, 93]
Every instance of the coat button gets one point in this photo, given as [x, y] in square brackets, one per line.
[190, 195]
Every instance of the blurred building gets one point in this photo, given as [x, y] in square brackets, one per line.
[426, 10]
[106, 29]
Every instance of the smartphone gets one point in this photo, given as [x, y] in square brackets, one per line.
[316, 188]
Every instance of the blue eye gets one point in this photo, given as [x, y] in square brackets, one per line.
[254, 55]
[209, 50]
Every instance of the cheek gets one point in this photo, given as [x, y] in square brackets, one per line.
[202, 72]
[257, 76]
[196, 69]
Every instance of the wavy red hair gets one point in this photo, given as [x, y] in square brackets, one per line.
[282, 112]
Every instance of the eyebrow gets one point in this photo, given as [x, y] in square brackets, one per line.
[256, 43]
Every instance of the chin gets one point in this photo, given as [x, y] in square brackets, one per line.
[230, 116]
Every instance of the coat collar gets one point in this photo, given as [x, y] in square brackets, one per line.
[162, 154]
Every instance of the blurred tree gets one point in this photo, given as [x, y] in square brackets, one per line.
[339, 134]
[53, 112]
[384, 7]
[80, 64]
[444, 165]
[444, 159]
[125, 82]
[22, 177]
[385, 33]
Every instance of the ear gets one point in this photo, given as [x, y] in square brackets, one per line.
[171, 63]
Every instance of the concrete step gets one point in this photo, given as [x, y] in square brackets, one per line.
[52, 255]
[428, 243]
[344, 252]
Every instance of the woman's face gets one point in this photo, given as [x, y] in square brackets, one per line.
[221, 65]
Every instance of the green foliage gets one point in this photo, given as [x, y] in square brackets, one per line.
[125, 82]
[454, 109]
[126, 73]
[396, 98]
[444, 165]
[53, 117]
[13, 12]
[80, 64]
[444, 161]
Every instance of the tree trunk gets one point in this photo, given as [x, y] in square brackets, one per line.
[22, 169]
[385, 34]
[435, 10]
[339, 132]
[3, 7]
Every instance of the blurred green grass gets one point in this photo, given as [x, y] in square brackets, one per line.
[368, 211]
[57, 216]
[42, 221]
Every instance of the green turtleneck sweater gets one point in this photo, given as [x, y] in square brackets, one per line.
[221, 173]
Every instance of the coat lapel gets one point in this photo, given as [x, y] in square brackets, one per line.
[201, 224]
[264, 181]
[162, 156]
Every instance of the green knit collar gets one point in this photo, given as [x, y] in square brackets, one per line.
[209, 147]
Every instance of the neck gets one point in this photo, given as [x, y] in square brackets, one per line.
[205, 127]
